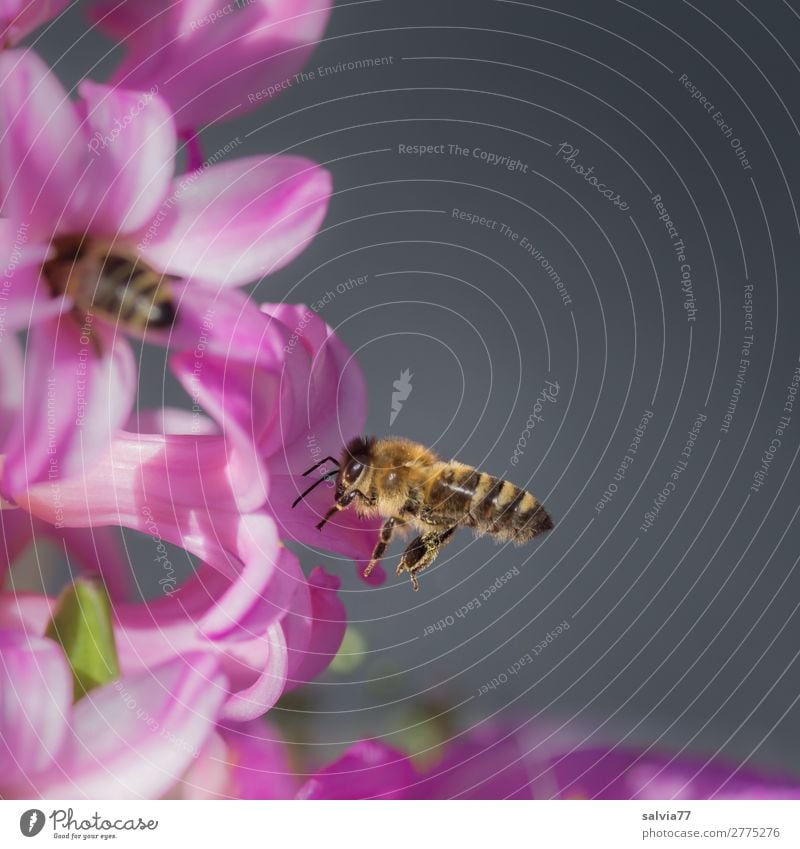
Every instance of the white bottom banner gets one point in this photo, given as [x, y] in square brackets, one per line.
[410, 825]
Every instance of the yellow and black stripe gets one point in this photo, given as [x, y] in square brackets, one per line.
[489, 504]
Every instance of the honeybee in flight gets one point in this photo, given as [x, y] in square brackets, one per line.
[110, 281]
[410, 487]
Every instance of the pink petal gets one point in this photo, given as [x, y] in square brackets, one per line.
[43, 154]
[263, 590]
[171, 420]
[24, 297]
[26, 612]
[209, 777]
[367, 770]
[143, 493]
[325, 393]
[245, 760]
[346, 533]
[11, 368]
[259, 763]
[35, 703]
[29, 301]
[261, 695]
[74, 400]
[240, 220]
[240, 389]
[211, 64]
[217, 320]
[136, 737]
[179, 483]
[132, 138]
[479, 765]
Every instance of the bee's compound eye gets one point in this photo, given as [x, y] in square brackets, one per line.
[353, 471]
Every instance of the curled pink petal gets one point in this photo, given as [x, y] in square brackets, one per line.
[262, 694]
[240, 220]
[233, 366]
[264, 587]
[24, 296]
[253, 655]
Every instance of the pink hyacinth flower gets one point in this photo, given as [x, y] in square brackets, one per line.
[20, 17]
[132, 738]
[210, 61]
[103, 168]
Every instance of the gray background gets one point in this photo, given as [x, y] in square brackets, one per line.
[685, 636]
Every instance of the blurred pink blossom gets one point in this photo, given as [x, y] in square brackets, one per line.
[492, 765]
[478, 764]
[211, 61]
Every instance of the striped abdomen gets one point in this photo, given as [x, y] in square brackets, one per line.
[491, 505]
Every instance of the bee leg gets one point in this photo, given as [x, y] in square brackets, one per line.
[422, 551]
[380, 546]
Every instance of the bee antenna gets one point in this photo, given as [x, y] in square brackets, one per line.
[317, 465]
[317, 482]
